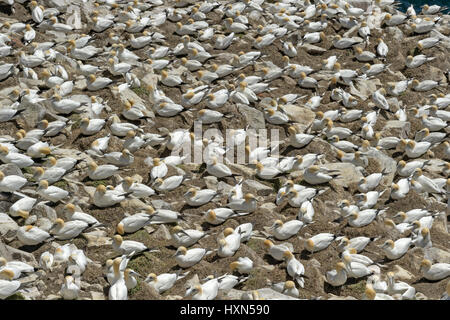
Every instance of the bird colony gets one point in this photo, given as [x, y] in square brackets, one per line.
[348, 201]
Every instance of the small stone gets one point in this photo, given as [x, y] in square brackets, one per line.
[31, 220]
[84, 285]
[80, 84]
[313, 262]
[162, 233]
[41, 273]
[97, 295]
[421, 296]
[174, 297]
[235, 294]
[32, 293]
[53, 297]
[268, 267]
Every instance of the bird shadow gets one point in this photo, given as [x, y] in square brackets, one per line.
[305, 255]
[185, 207]
[396, 154]
[328, 288]
[423, 280]
[338, 220]
[31, 248]
[206, 226]
[214, 258]
[106, 290]
[166, 152]
[6, 9]
[268, 258]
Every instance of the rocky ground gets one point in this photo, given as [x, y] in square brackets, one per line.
[401, 41]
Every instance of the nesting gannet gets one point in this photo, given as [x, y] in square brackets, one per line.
[243, 265]
[164, 281]
[434, 272]
[283, 231]
[187, 258]
[395, 250]
[186, 237]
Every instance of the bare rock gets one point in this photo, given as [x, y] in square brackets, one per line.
[43, 211]
[10, 169]
[313, 262]
[97, 295]
[421, 296]
[10, 253]
[253, 117]
[8, 226]
[300, 115]
[402, 274]
[133, 204]
[270, 294]
[162, 233]
[396, 128]
[32, 115]
[161, 204]
[396, 33]
[28, 279]
[334, 297]
[241, 169]
[349, 173]
[386, 163]
[44, 223]
[258, 188]
[223, 187]
[437, 255]
[32, 293]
